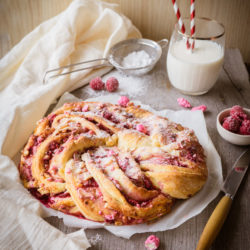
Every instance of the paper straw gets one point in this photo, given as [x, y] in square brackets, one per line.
[181, 24]
[192, 24]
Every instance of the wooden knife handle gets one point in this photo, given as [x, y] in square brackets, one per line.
[214, 223]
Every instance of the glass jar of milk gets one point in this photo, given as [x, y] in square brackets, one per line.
[194, 72]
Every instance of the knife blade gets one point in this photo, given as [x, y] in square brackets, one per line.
[233, 180]
[220, 213]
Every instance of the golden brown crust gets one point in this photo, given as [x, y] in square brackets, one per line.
[121, 165]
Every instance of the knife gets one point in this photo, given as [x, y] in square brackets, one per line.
[220, 213]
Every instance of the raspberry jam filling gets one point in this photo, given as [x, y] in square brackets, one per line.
[25, 170]
[134, 174]
[89, 189]
[48, 201]
[53, 148]
[51, 118]
[90, 183]
[192, 154]
[25, 167]
[136, 203]
[100, 126]
[118, 216]
[147, 183]
[162, 160]
[37, 140]
[77, 108]
[106, 129]
[77, 155]
[169, 138]
[110, 116]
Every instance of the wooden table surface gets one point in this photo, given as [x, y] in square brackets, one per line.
[231, 88]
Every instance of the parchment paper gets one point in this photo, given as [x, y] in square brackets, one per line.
[182, 210]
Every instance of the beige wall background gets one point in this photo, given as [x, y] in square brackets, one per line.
[154, 18]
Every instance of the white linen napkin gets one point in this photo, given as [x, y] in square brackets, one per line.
[85, 30]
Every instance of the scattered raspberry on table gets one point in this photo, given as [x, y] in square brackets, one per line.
[201, 107]
[152, 242]
[112, 84]
[183, 102]
[97, 83]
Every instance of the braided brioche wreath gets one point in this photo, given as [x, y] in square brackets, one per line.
[111, 163]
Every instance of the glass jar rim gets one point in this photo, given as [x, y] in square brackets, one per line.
[201, 38]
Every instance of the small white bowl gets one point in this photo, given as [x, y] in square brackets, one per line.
[229, 136]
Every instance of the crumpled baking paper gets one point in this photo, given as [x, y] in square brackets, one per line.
[182, 210]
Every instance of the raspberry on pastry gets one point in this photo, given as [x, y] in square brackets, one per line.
[123, 101]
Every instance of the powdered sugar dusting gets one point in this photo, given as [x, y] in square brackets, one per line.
[132, 86]
[95, 239]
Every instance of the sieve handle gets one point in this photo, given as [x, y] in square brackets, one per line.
[163, 42]
[106, 63]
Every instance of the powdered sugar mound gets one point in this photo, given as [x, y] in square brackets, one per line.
[137, 59]
[132, 86]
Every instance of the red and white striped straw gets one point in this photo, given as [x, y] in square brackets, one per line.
[192, 24]
[178, 15]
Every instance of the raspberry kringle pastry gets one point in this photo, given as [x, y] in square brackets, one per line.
[113, 164]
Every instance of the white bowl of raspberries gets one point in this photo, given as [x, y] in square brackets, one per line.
[233, 125]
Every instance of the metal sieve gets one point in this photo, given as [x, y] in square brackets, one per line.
[115, 58]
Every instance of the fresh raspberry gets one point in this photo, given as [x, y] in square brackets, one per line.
[201, 107]
[232, 124]
[245, 127]
[241, 116]
[183, 102]
[123, 101]
[112, 84]
[237, 111]
[97, 83]
[152, 242]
